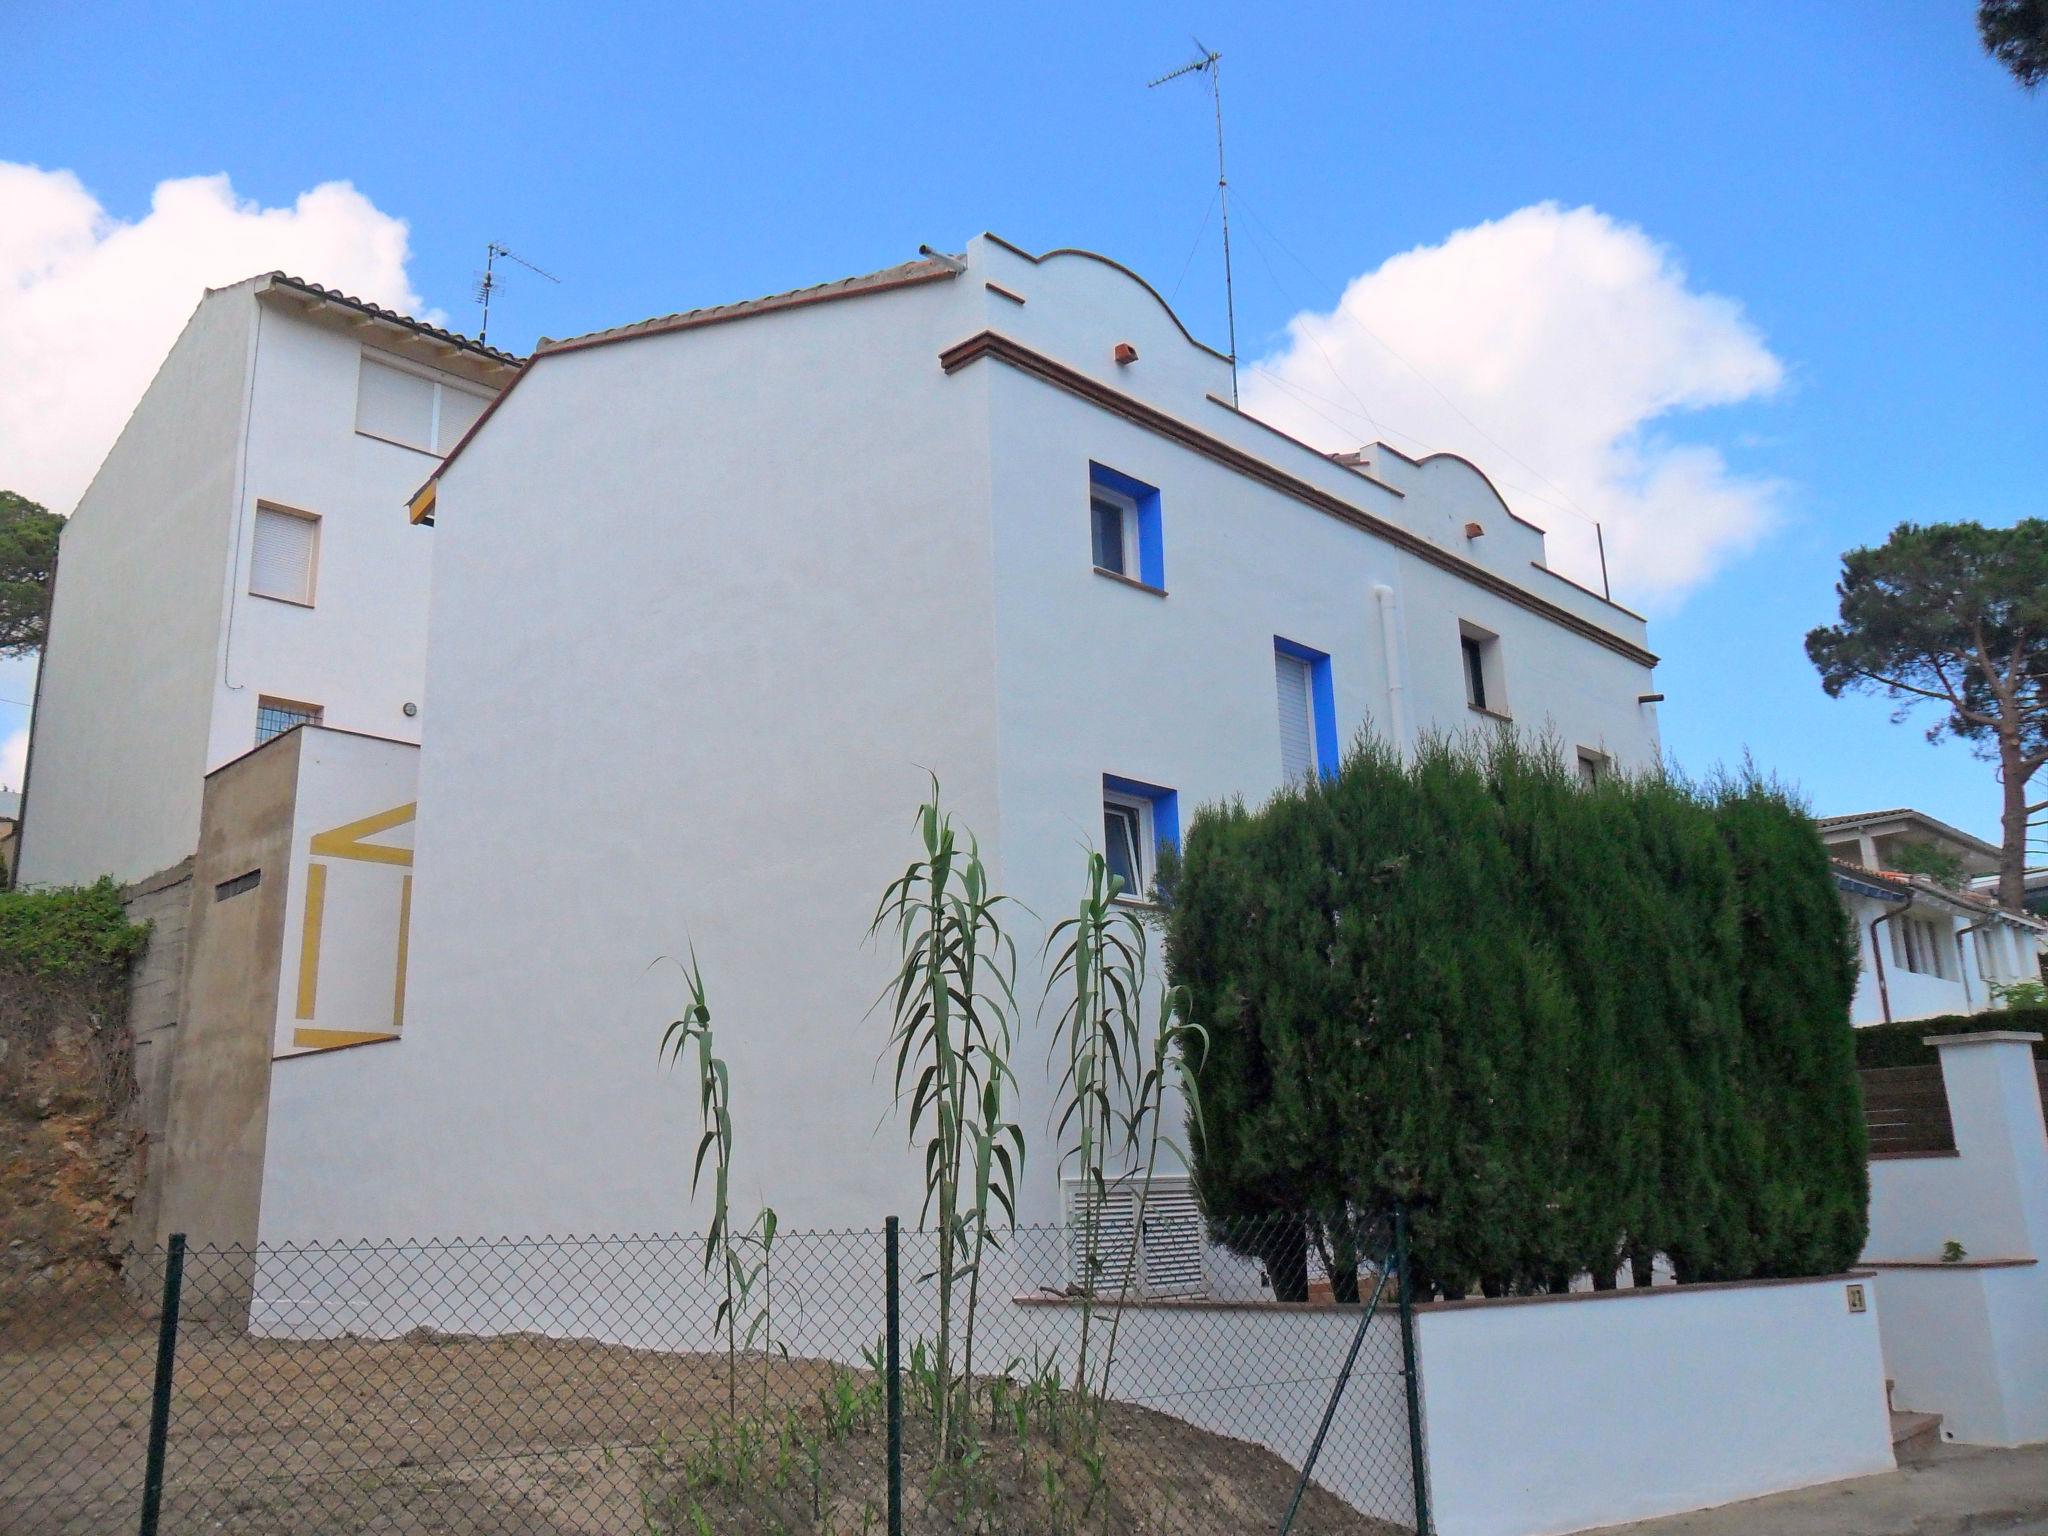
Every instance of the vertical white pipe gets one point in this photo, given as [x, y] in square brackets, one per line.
[1390, 648]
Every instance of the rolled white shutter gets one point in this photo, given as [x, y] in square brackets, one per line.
[394, 404]
[1297, 742]
[281, 563]
[459, 411]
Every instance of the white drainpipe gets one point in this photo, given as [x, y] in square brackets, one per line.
[1390, 644]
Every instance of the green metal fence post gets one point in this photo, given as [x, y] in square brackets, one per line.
[1418, 1466]
[895, 1389]
[160, 1400]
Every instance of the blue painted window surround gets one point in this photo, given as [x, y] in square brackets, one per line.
[1136, 819]
[1308, 710]
[1124, 524]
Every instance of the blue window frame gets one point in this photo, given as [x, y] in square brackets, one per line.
[1136, 819]
[1124, 526]
[1307, 708]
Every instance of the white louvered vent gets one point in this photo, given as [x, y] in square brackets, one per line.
[1297, 737]
[281, 561]
[1168, 1257]
[395, 405]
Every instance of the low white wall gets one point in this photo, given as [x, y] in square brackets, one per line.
[1555, 1414]
[1969, 1341]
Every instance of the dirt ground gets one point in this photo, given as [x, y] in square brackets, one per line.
[435, 1433]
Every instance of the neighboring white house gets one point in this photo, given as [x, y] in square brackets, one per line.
[716, 590]
[1925, 948]
[235, 568]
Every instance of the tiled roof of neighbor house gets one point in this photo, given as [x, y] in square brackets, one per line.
[1870, 882]
[453, 338]
[922, 270]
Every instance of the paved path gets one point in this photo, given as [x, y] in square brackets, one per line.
[1955, 1491]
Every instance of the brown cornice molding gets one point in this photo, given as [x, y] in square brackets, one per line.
[1000, 348]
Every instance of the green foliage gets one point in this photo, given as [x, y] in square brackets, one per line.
[741, 1258]
[952, 1023]
[1568, 1027]
[1901, 1045]
[1955, 614]
[28, 562]
[1937, 864]
[2020, 994]
[2015, 32]
[77, 932]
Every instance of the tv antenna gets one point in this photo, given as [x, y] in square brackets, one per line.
[1210, 63]
[488, 283]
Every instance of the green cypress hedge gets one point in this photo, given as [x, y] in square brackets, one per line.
[1568, 1028]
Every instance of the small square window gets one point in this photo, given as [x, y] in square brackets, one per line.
[1593, 767]
[1479, 656]
[1136, 819]
[276, 716]
[1124, 527]
[283, 553]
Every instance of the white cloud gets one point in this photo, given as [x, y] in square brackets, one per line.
[1555, 342]
[89, 304]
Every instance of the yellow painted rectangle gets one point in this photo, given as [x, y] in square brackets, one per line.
[404, 934]
[309, 939]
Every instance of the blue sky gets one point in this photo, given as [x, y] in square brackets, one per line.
[1869, 189]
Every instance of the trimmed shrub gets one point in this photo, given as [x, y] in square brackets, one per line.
[1569, 1028]
[1900, 1045]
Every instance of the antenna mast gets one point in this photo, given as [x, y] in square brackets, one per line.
[488, 284]
[1210, 63]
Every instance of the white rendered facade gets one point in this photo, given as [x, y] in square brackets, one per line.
[785, 559]
[1923, 949]
[163, 642]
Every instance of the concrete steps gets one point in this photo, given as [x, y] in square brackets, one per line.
[1915, 1435]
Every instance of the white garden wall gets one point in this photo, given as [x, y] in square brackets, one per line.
[1552, 1414]
[1969, 1339]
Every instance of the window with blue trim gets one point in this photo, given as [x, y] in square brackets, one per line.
[1137, 819]
[1124, 527]
[1308, 710]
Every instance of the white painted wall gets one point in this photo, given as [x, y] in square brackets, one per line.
[1999, 953]
[159, 651]
[344, 781]
[763, 551]
[1556, 1414]
[360, 650]
[790, 565]
[1970, 1341]
[120, 729]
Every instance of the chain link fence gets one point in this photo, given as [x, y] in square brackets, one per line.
[626, 1385]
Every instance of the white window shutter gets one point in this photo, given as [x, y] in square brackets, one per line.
[1297, 740]
[459, 411]
[394, 404]
[281, 561]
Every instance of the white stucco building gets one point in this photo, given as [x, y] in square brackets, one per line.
[234, 567]
[714, 591]
[1925, 948]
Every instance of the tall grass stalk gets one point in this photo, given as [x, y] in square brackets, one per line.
[742, 1258]
[1100, 959]
[952, 1011]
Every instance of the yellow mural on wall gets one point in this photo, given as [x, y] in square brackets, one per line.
[350, 841]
